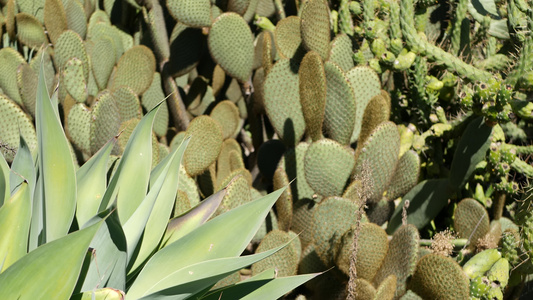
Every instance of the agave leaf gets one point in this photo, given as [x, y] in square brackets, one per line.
[108, 266]
[225, 236]
[56, 168]
[471, 150]
[100, 294]
[91, 182]
[193, 279]
[15, 217]
[23, 168]
[259, 287]
[4, 180]
[54, 268]
[152, 214]
[426, 200]
[182, 225]
[133, 171]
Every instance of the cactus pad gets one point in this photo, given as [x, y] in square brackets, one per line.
[314, 26]
[387, 288]
[401, 258]
[288, 37]
[105, 121]
[237, 194]
[69, 45]
[195, 13]
[12, 121]
[380, 154]
[204, 146]
[103, 60]
[55, 19]
[231, 45]
[405, 176]
[439, 277]
[151, 97]
[341, 52]
[74, 80]
[76, 18]
[10, 60]
[365, 84]
[339, 117]
[313, 93]
[293, 163]
[30, 31]
[372, 246]
[78, 127]
[376, 112]
[285, 261]
[471, 220]
[282, 102]
[328, 166]
[284, 202]
[27, 83]
[227, 115]
[332, 218]
[135, 69]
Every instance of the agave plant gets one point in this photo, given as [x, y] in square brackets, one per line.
[71, 234]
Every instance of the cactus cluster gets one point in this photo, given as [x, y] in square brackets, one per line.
[380, 124]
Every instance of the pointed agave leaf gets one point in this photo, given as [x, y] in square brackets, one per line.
[55, 266]
[162, 195]
[22, 168]
[195, 278]
[108, 264]
[209, 241]
[4, 180]
[182, 225]
[56, 167]
[91, 182]
[259, 287]
[133, 171]
[15, 217]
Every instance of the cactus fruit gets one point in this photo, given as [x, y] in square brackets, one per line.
[438, 277]
[480, 263]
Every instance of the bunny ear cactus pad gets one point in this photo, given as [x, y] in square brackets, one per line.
[341, 52]
[365, 84]
[314, 26]
[69, 45]
[238, 6]
[405, 176]
[74, 80]
[204, 146]
[27, 82]
[231, 45]
[105, 121]
[285, 261]
[284, 203]
[76, 18]
[128, 104]
[332, 218]
[387, 288]
[287, 36]
[227, 115]
[195, 13]
[12, 121]
[471, 220]
[151, 97]
[376, 112]
[339, 117]
[380, 154]
[282, 102]
[30, 31]
[401, 258]
[328, 166]
[135, 69]
[10, 60]
[78, 127]
[293, 162]
[439, 277]
[102, 60]
[55, 19]
[313, 93]
[372, 247]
